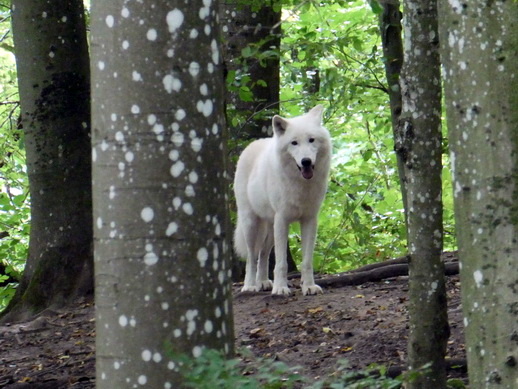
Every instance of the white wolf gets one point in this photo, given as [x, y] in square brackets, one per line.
[281, 180]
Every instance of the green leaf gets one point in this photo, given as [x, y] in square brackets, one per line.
[245, 94]
[376, 7]
[367, 154]
[247, 52]
[262, 83]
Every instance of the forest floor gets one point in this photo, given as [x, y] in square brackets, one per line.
[364, 324]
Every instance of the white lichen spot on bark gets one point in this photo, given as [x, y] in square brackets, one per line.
[123, 321]
[152, 34]
[194, 69]
[146, 355]
[147, 214]
[174, 20]
[478, 277]
[150, 258]
[110, 21]
[172, 228]
[202, 256]
[177, 169]
[171, 83]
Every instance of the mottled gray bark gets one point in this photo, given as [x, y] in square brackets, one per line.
[53, 77]
[419, 130]
[161, 251]
[480, 57]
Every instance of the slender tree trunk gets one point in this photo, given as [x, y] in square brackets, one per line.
[480, 56]
[392, 42]
[160, 193]
[54, 83]
[250, 32]
[419, 129]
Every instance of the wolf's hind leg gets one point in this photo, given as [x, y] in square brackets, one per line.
[263, 282]
[250, 224]
[250, 271]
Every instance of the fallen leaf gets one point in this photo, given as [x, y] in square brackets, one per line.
[256, 332]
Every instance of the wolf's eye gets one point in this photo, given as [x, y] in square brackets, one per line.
[311, 140]
[294, 143]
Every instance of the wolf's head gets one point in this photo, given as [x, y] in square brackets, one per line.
[304, 143]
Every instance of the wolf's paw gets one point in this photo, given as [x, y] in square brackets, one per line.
[249, 288]
[311, 289]
[265, 285]
[281, 290]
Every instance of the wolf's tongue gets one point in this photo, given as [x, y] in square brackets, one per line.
[307, 172]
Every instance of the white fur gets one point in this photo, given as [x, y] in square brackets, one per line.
[274, 189]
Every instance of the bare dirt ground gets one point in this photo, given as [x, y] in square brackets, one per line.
[365, 324]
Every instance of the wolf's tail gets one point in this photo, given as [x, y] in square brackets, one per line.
[239, 241]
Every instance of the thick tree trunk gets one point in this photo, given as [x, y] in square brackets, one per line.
[160, 193]
[54, 83]
[480, 56]
[419, 129]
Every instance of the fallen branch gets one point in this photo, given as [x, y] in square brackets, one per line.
[449, 256]
[376, 273]
[379, 271]
[459, 365]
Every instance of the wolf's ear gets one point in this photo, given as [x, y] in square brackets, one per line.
[279, 125]
[316, 112]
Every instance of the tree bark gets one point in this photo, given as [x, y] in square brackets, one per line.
[160, 193]
[419, 131]
[54, 84]
[392, 43]
[480, 57]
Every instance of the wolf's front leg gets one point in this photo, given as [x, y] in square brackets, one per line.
[309, 233]
[280, 273]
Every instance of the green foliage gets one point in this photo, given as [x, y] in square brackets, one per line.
[456, 383]
[212, 370]
[14, 198]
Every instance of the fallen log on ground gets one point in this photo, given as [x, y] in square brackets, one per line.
[376, 275]
[382, 270]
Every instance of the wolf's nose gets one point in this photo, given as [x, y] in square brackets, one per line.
[306, 162]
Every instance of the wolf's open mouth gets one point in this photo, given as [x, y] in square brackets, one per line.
[307, 171]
